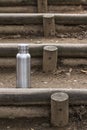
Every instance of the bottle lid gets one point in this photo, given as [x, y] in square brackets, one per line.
[23, 47]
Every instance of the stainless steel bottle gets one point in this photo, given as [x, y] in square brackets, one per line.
[23, 67]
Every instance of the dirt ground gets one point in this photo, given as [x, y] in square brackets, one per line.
[40, 40]
[64, 77]
[51, 9]
[77, 122]
[38, 124]
[30, 124]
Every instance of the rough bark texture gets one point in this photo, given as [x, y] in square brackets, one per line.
[59, 109]
[50, 58]
[49, 25]
[42, 6]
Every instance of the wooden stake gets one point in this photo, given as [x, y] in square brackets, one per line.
[23, 111]
[59, 109]
[49, 25]
[42, 6]
[49, 58]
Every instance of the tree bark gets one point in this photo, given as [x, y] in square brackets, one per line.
[59, 109]
[50, 54]
[49, 25]
[42, 6]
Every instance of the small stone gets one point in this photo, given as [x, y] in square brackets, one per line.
[32, 129]
[75, 80]
[45, 82]
[68, 74]
[8, 127]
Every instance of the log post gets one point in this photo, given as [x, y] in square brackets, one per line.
[59, 109]
[50, 58]
[49, 25]
[42, 6]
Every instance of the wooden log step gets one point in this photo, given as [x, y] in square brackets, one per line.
[36, 50]
[26, 19]
[39, 96]
[38, 62]
[34, 2]
[24, 112]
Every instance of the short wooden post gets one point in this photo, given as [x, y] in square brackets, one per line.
[50, 54]
[59, 109]
[42, 6]
[49, 25]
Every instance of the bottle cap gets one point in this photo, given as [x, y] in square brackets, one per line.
[23, 47]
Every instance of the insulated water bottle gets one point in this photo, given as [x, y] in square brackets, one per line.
[23, 67]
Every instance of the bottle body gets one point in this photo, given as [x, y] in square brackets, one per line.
[23, 70]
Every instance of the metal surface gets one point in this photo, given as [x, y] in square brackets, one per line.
[23, 67]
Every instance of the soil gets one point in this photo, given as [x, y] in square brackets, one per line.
[67, 9]
[39, 124]
[77, 122]
[40, 40]
[51, 9]
[64, 77]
